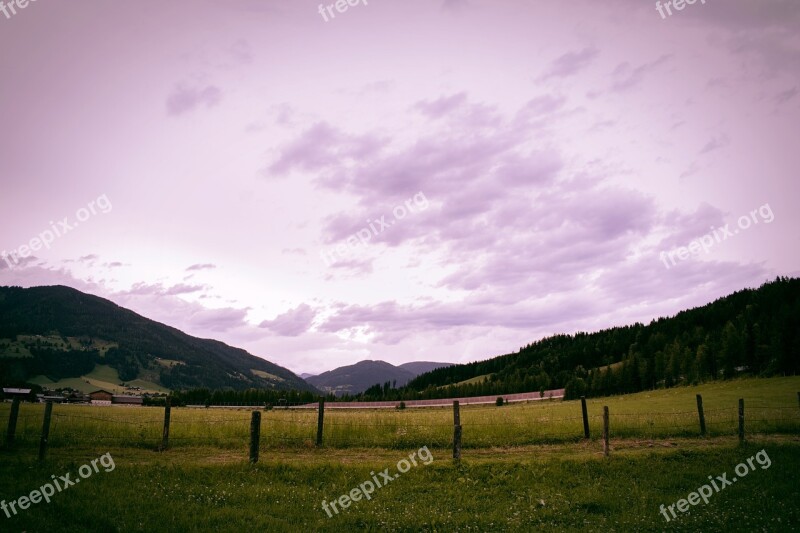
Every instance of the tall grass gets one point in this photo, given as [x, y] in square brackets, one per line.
[771, 406]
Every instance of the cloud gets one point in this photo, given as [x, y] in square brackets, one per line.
[681, 227]
[158, 289]
[241, 52]
[291, 323]
[40, 275]
[294, 251]
[442, 106]
[350, 267]
[454, 5]
[9, 262]
[320, 146]
[626, 77]
[201, 266]
[184, 99]
[469, 160]
[570, 63]
[715, 143]
[183, 288]
[784, 96]
[377, 87]
[528, 245]
[218, 320]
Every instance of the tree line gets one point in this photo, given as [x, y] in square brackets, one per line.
[753, 332]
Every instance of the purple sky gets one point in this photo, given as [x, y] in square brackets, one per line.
[543, 155]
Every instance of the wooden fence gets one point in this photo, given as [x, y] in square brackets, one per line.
[784, 419]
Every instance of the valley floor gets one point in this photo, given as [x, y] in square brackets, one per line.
[550, 488]
[544, 476]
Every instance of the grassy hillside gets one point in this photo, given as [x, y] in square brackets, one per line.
[101, 377]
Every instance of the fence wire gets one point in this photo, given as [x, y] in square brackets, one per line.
[482, 426]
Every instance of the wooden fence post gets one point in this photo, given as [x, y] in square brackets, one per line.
[320, 420]
[456, 431]
[605, 431]
[12, 423]
[165, 433]
[48, 412]
[585, 418]
[702, 415]
[741, 420]
[255, 435]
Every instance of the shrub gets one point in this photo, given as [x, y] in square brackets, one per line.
[499, 402]
[575, 389]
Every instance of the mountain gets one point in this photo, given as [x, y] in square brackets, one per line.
[49, 334]
[421, 367]
[750, 332]
[357, 378]
[306, 375]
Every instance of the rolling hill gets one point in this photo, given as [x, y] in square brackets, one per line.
[353, 379]
[50, 334]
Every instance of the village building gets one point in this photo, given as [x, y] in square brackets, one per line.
[16, 394]
[127, 400]
[101, 397]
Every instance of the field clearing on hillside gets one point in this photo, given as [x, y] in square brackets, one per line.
[470, 381]
[101, 377]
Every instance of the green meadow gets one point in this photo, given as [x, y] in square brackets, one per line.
[101, 377]
[524, 466]
[771, 406]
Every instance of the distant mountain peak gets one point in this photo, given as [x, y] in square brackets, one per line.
[358, 377]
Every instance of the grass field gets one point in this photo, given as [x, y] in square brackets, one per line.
[551, 488]
[470, 381]
[771, 406]
[524, 467]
